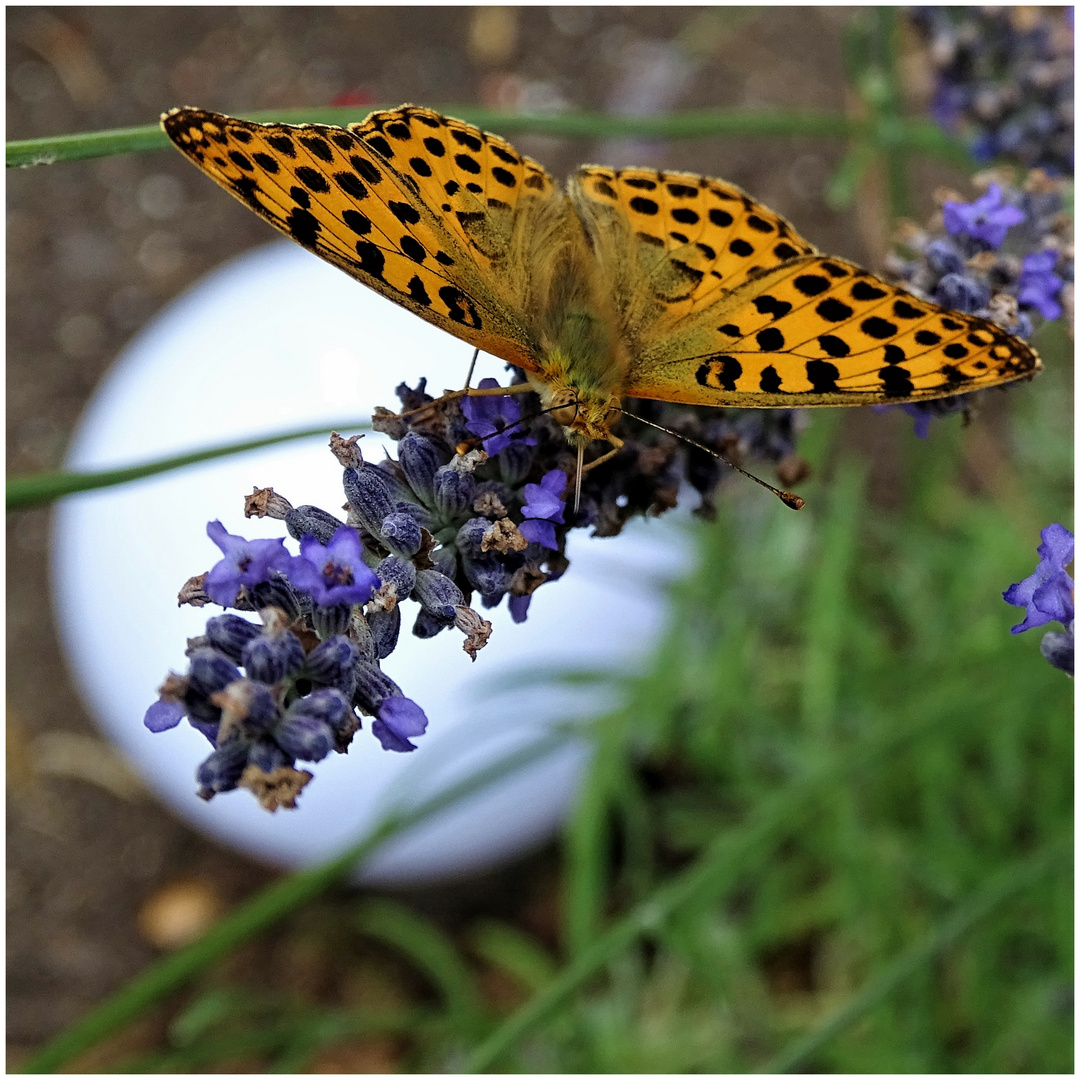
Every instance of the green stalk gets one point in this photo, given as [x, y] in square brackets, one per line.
[24, 492]
[261, 912]
[23, 153]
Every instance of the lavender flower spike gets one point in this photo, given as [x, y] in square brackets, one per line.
[333, 574]
[246, 563]
[987, 219]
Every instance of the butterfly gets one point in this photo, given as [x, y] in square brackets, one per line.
[628, 283]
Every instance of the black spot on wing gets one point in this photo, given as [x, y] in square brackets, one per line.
[770, 339]
[418, 292]
[318, 147]
[896, 382]
[420, 166]
[863, 291]
[372, 260]
[406, 214]
[720, 218]
[282, 144]
[464, 138]
[302, 226]
[878, 328]
[351, 184]
[822, 376]
[769, 305]
[741, 247]
[359, 223]
[365, 168]
[413, 248]
[927, 337]
[685, 216]
[266, 162]
[641, 183]
[811, 284]
[312, 180]
[300, 197]
[466, 163]
[644, 206]
[833, 345]
[833, 310]
[241, 161]
[770, 380]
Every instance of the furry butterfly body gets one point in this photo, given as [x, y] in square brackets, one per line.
[628, 283]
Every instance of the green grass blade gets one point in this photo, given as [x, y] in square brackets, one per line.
[24, 492]
[432, 952]
[262, 911]
[715, 871]
[1000, 888]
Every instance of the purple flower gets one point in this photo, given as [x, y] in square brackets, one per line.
[1039, 285]
[519, 607]
[246, 562]
[1048, 592]
[489, 417]
[988, 218]
[333, 574]
[542, 507]
[399, 719]
[163, 715]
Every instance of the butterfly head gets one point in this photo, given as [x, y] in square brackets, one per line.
[584, 417]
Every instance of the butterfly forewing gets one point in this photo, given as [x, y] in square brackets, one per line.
[822, 331]
[326, 188]
[476, 182]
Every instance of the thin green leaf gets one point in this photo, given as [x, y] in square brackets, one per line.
[24, 492]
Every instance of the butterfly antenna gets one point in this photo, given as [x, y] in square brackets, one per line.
[788, 498]
[472, 368]
[577, 479]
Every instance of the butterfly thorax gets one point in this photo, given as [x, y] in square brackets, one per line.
[579, 377]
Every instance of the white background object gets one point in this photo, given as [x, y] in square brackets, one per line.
[276, 340]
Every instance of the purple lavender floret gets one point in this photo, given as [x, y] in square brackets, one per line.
[988, 218]
[1039, 286]
[163, 715]
[399, 719]
[543, 509]
[333, 574]
[1048, 594]
[246, 563]
[489, 418]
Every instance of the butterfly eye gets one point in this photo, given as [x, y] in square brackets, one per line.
[567, 413]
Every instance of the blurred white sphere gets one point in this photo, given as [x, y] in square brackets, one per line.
[278, 340]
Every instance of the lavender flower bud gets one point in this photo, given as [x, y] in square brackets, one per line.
[470, 537]
[277, 592]
[307, 730]
[268, 756]
[427, 626]
[943, 258]
[397, 572]
[304, 521]
[419, 458]
[328, 622]
[515, 461]
[444, 560]
[488, 576]
[385, 628]
[210, 671]
[401, 534]
[230, 633]
[961, 293]
[373, 687]
[272, 657]
[221, 770]
[331, 664]
[369, 494]
[454, 490]
[437, 594]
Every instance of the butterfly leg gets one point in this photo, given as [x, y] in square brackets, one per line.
[616, 445]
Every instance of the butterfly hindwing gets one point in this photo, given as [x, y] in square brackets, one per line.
[822, 331]
[328, 189]
[690, 239]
